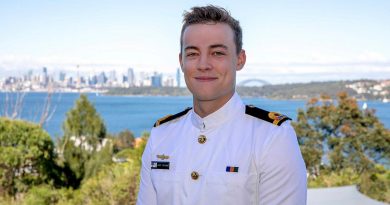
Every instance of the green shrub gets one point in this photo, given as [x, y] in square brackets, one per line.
[27, 157]
[376, 184]
[46, 195]
[334, 179]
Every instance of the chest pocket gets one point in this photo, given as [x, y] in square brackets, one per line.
[168, 185]
[164, 176]
[232, 188]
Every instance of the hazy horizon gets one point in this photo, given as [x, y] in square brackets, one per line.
[285, 41]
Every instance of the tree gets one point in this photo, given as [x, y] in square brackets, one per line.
[125, 139]
[84, 123]
[84, 131]
[340, 136]
[26, 156]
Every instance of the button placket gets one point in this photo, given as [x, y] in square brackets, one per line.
[202, 138]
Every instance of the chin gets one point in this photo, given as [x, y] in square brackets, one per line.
[204, 97]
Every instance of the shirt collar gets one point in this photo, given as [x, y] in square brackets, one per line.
[223, 114]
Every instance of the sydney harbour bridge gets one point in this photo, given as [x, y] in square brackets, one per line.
[252, 82]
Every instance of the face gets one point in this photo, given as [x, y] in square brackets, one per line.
[209, 61]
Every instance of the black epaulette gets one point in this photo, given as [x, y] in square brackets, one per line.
[171, 117]
[272, 117]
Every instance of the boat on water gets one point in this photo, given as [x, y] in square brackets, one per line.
[364, 107]
[385, 100]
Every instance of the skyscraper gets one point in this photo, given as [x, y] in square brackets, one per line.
[130, 76]
[112, 76]
[156, 80]
[101, 78]
[44, 77]
[30, 74]
[62, 76]
[178, 74]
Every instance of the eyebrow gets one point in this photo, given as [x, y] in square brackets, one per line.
[191, 47]
[219, 46]
[212, 46]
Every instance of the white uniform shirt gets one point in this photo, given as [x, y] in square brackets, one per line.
[244, 160]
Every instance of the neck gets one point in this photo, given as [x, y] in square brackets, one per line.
[205, 107]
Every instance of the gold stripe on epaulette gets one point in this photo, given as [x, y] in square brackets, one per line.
[162, 119]
[276, 117]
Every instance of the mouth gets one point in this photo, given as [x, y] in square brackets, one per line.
[205, 78]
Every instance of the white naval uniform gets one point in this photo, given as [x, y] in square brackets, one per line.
[270, 166]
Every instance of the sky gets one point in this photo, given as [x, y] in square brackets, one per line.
[285, 41]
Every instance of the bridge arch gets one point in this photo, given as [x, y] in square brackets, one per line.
[253, 82]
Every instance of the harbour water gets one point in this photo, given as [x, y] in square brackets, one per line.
[138, 113]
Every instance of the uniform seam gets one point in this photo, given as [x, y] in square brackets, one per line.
[254, 158]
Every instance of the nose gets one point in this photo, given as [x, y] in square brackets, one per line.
[204, 63]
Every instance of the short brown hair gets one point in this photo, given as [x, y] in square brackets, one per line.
[214, 14]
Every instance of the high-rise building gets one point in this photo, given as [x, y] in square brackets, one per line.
[124, 79]
[178, 74]
[69, 81]
[30, 75]
[102, 79]
[62, 76]
[169, 81]
[93, 80]
[112, 76]
[144, 79]
[44, 77]
[156, 80]
[78, 77]
[130, 76]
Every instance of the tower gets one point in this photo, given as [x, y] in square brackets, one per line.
[178, 74]
[130, 76]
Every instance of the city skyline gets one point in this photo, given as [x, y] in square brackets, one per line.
[93, 82]
[285, 41]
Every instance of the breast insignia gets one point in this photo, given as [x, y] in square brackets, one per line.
[171, 117]
[162, 156]
[272, 117]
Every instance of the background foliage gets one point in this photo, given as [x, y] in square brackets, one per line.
[341, 145]
[26, 157]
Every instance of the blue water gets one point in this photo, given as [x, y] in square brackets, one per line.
[138, 113]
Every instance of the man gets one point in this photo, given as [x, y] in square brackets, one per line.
[221, 151]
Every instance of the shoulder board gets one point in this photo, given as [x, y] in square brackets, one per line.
[272, 117]
[171, 117]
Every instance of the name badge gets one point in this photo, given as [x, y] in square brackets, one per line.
[160, 165]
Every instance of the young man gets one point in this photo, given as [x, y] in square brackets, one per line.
[221, 151]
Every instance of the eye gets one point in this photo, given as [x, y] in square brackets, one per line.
[191, 54]
[218, 53]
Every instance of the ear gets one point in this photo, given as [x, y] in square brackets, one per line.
[181, 62]
[241, 59]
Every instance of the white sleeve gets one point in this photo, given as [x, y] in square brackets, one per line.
[282, 169]
[147, 193]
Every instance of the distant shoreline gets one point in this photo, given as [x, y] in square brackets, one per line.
[361, 90]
